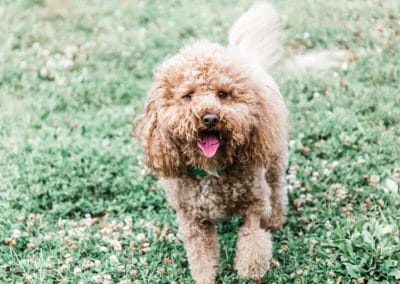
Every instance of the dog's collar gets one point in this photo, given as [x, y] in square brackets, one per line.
[203, 173]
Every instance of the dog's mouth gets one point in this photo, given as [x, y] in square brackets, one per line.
[209, 142]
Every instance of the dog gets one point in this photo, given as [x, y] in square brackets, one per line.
[215, 131]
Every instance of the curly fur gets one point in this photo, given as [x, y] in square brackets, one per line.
[253, 153]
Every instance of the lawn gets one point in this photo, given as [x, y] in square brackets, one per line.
[77, 204]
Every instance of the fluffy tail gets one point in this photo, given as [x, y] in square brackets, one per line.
[257, 36]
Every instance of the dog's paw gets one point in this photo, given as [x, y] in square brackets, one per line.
[253, 253]
[204, 276]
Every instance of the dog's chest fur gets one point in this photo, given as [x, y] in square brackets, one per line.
[214, 198]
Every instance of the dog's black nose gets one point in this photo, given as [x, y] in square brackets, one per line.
[210, 119]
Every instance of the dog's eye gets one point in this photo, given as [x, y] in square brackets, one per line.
[188, 96]
[222, 94]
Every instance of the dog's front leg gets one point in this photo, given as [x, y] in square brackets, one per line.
[201, 244]
[254, 249]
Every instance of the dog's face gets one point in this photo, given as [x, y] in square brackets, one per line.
[205, 111]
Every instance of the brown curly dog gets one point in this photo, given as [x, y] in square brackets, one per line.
[215, 132]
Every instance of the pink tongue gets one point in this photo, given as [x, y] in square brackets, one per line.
[209, 145]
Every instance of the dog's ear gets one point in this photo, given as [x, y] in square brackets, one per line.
[161, 153]
[268, 135]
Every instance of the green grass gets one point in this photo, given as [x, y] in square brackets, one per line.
[76, 202]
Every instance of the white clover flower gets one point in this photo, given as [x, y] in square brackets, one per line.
[97, 278]
[77, 270]
[141, 237]
[97, 263]
[103, 249]
[114, 259]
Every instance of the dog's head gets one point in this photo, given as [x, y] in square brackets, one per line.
[207, 110]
